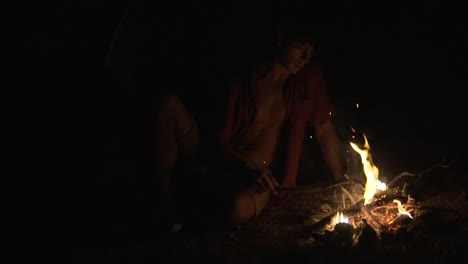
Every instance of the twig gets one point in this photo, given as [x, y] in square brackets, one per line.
[440, 164]
[344, 200]
[307, 190]
[403, 174]
[349, 195]
[374, 210]
[419, 175]
[391, 206]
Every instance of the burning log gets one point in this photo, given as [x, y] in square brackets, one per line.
[344, 234]
[387, 196]
[372, 221]
[380, 199]
[365, 236]
[328, 220]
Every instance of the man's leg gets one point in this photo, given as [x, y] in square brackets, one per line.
[248, 203]
[177, 138]
[237, 197]
[178, 133]
[226, 196]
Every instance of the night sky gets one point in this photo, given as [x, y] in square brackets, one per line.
[82, 116]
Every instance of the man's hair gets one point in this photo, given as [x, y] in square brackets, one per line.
[296, 31]
[263, 44]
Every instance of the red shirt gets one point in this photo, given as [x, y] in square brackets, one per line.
[307, 103]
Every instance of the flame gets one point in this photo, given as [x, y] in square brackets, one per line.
[340, 218]
[370, 170]
[401, 210]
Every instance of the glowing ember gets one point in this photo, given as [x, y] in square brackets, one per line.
[340, 218]
[402, 210]
[370, 170]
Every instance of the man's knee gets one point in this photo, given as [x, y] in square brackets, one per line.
[169, 104]
[172, 109]
[244, 208]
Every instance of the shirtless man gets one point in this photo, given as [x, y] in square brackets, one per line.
[267, 111]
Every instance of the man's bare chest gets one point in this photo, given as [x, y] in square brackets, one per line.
[269, 110]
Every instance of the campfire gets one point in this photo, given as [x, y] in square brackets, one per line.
[370, 208]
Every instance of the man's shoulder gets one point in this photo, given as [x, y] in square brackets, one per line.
[309, 80]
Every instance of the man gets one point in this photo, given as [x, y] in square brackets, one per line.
[259, 144]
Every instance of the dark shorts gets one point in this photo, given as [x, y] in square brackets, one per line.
[206, 189]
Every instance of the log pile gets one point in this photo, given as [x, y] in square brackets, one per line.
[391, 213]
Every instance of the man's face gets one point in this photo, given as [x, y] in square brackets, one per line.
[296, 55]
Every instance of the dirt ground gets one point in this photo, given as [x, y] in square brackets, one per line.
[285, 236]
[439, 235]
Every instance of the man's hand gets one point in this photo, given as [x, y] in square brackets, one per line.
[267, 181]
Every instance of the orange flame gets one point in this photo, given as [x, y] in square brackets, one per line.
[370, 170]
[340, 218]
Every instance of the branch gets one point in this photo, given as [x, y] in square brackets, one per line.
[403, 174]
[392, 206]
[349, 195]
[309, 190]
[419, 175]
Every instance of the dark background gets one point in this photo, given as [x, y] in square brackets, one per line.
[80, 114]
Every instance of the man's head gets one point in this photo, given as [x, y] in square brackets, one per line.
[295, 46]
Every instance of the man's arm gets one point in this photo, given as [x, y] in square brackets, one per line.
[332, 150]
[322, 119]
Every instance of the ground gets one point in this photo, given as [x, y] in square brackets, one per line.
[440, 235]
[284, 236]
[275, 236]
